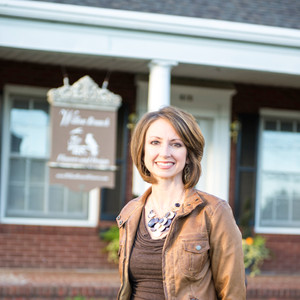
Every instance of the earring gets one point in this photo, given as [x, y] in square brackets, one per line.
[144, 169]
[186, 173]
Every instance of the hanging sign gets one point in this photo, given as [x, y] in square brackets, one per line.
[83, 140]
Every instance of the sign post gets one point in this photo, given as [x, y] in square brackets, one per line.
[83, 134]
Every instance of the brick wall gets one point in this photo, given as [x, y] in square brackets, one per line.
[284, 253]
[23, 246]
[250, 98]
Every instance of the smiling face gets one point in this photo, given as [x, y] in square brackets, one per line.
[165, 152]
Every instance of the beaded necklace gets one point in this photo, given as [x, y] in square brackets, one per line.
[161, 225]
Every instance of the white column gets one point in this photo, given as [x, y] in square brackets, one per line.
[159, 84]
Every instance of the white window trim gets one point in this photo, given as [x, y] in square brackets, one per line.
[285, 114]
[94, 195]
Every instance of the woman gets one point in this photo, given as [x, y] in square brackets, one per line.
[176, 242]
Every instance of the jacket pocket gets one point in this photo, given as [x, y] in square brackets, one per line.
[193, 254]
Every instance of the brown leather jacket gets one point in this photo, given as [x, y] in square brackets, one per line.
[202, 256]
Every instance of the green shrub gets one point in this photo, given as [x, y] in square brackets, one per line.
[255, 252]
[112, 236]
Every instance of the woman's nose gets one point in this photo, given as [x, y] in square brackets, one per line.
[165, 150]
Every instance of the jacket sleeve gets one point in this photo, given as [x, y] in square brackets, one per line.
[226, 253]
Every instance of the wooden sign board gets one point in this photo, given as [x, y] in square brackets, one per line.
[83, 145]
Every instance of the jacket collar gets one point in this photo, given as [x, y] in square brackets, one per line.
[132, 207]
[193, 199]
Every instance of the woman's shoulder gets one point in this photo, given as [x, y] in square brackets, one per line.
[216, 209]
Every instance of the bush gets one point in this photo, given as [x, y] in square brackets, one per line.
[112, 236]
[255, 252]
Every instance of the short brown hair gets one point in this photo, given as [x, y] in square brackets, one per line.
[188, 130]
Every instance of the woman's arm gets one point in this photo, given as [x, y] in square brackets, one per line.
[226, 253]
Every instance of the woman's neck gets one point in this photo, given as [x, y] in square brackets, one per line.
[165, 196]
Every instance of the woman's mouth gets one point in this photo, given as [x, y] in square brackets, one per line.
[164, 165]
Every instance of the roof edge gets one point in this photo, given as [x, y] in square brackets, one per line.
[150, 22]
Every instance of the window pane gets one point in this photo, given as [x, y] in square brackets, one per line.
[75, 202]
[15, 142]
[37, 171]
[42, 106]
[296, 200]
[281, 151]
[36, 196]
[286, 126]
[21, 104]
[280, 201]
[29, 129]
[267, 210]
[16, 198]
[282, 206]
[296, 209]
[56, 199]
[275, 196]
[17, 170]
[66, 203]
[270, 125]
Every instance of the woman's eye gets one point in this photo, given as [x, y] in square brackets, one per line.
[177, 145]
[154, 142]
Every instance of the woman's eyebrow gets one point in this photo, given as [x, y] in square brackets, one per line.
[154, 136]
[172, 140]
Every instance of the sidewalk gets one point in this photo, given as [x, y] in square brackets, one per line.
[38, 284]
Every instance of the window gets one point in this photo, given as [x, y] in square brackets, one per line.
[278, 193]
[25, 190]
